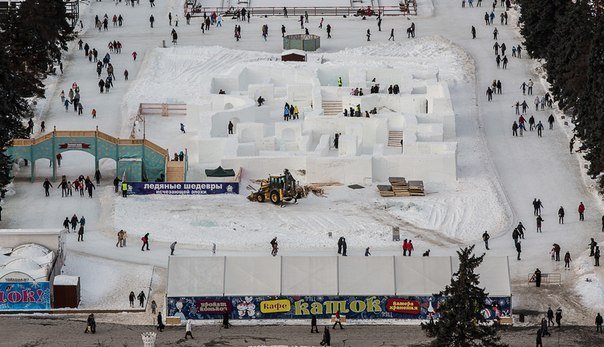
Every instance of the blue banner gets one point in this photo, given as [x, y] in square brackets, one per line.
[24, 296]
[183, 188]
[301, 307]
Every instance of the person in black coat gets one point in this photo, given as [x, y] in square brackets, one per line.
[538, 341]
[225, 321]
[160, 323]
[340, 244]
[313, 324]
[538, 277]
[326, 337]
[90, 324]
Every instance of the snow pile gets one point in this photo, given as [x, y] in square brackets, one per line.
[589, 283]
[454, 64]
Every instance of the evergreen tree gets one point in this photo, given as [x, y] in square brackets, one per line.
[589, 122]
[539, 19]
[36, 34]
[13, 109]
[461, 323]
[34, 37]
[568, 55]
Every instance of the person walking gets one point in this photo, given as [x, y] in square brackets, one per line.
[539, 341]
[367, 253]
[567, 260]
[561, 215]
[313, 324]
[160, 322]
[559, 316]
[539, 222]
[597, 256]
[145, 240]
[539, 129]
[592, 247]
[172, 246]
[141, 299]
[47, 185]
[473, 32]
[599, 322]
[326, 341]
[131, 298]
[550, 316]
[188, 330]
[368, 35]
[518, 250]
[485, 238]
[555, 252]
[151, 20]
[81, 233]
[581, 211]
[225, 321]
[124, 189]
[391, 35]
[338, 320]
[274, 247]
[544, 330]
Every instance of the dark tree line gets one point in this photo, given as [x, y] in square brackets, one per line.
[569, 36]
[33, 38]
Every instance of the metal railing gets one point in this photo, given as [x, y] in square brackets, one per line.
[403, 10]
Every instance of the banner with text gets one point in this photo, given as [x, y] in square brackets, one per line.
[24, 296]
[301, 307]
[183, 188]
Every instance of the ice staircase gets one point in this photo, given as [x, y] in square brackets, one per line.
[394, 138]
[332, 107]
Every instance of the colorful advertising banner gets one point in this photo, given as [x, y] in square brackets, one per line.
[301, 307]
[183, 188]
[24, 296]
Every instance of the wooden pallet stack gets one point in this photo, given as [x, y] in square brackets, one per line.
[399, 186]
[416, 188]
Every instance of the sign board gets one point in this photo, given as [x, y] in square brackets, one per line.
[182, 188]
[24, 296]
[301, 307]
[74, 146]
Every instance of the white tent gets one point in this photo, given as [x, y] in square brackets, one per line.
[196, 276]
[252, 276]
[309, 276]
[421, 275]
[366, 275]
[327, 275]
[494, 275]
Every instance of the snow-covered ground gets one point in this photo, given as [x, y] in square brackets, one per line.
[499, 175]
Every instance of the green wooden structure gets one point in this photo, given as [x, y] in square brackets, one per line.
[302, 42]
[136, 159]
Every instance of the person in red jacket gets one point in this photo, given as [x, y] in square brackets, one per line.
[404, 247]
[409, 247]
[581, 210]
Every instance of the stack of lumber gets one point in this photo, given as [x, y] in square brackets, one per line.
[416, 188]
[385, 191]
[399, 186]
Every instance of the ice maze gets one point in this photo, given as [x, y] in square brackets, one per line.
[368, 148]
